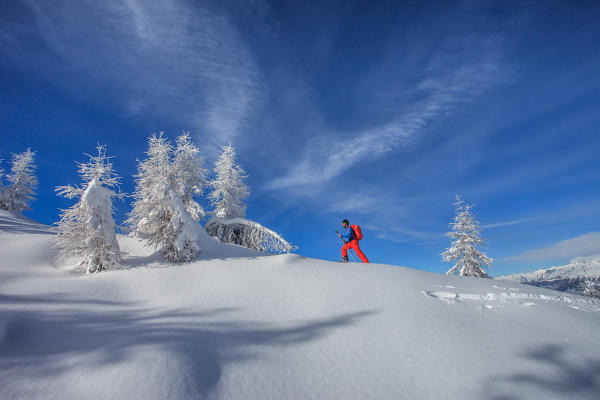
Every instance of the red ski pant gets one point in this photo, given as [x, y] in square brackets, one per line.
[353, 244]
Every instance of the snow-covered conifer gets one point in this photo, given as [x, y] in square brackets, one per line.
[158, 213]
[87, 229]
[189, 174]
[22, 182]
[466, 242]
[229, 189]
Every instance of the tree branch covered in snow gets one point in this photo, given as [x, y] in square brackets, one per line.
[467, 240]
[159, 214]
[87, 229]
[23, 182]
[248, 234]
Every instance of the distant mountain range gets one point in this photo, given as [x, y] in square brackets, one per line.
[581, 276]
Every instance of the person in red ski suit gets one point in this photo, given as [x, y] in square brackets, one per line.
[351, 242]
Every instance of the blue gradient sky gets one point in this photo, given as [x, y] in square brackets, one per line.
[375, 111]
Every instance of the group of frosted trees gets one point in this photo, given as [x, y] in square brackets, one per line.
[164, 212]
[19, 191]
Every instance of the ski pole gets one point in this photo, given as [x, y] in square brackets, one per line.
[352, 255]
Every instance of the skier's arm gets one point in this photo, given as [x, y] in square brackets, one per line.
[346, 236]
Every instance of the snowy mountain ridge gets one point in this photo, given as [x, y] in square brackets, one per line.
[571, 277]
[581, 267]
[237, 325]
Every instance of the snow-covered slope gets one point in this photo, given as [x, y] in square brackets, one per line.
[571, 277]
[240, 326]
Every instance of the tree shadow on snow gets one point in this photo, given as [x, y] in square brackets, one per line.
[83, 335]
[554, 376]
[15, 223]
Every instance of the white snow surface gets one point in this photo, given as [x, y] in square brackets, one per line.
[234, 325]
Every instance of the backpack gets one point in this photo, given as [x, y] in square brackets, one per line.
[357, 231]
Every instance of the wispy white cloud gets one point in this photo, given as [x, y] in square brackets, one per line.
[464, 68]
[355, 204]
[583, 245]
[513, 222]
[175, 59]
[402, 234]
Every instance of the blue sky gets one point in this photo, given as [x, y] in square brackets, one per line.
[379, 112]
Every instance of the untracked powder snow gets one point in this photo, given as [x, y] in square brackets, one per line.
[237, 325]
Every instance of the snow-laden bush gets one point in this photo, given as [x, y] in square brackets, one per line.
[22, 183]
[159, 214]
[466, 236]
[248, 234]
[87, 229]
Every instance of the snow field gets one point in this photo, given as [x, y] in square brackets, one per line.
[237, 325]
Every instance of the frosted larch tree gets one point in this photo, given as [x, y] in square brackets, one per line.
[229, 188]
[229, 224]
[466, 243]
[22, 181]
[189, 174]
[158, 213]
[87, 229]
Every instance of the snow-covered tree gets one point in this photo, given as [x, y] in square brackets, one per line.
[228, 223]
[159, 214]
[87, 229]
[189, 174]
[466, 243]
[22, 182]
[229, 189]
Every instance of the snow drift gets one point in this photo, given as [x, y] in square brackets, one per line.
[237, 325]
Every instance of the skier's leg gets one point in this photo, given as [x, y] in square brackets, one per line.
[359, 252]
[345, 249]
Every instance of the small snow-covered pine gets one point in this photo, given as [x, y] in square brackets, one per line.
[189, 174]
[87, 229]
[22, 181]
[229, 188]
[159, 214]
[466, 243]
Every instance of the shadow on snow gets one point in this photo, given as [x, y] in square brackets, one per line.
[553, 373]
[12, 222]
[111, 333]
